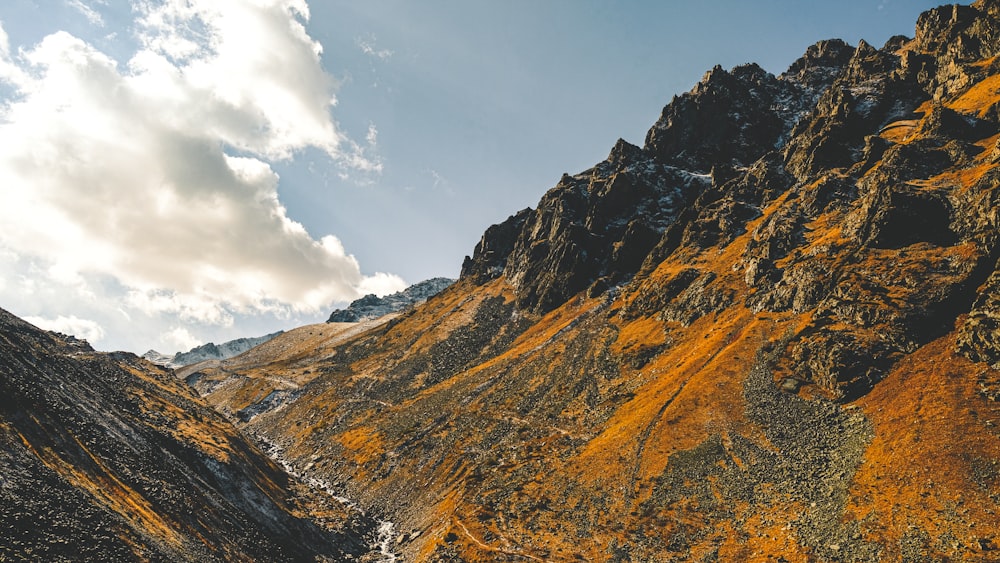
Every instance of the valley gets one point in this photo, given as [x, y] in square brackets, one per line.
[767, 334]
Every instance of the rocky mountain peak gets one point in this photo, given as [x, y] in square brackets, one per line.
[623, 154]
[725, 118]
[816, 68]
[596, 225]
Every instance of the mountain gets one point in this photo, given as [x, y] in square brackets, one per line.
[106, 457]
[372, 307]
[208, 351]
[767, 334]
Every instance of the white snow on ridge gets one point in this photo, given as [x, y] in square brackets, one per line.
[208, 351]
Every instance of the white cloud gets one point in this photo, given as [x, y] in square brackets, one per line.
[80, 328]
[154, 172]
[92, 15]
[180, 339]
[380, 284]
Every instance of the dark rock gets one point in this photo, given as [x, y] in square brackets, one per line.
[820, 65]
[979, 336]
[895, 43]
[653, 298]
[490, 256]
[894, 216]
[720, 121]
[956, 36]
[873, 90]
[945, 123]
[697, 300]
[598, 224]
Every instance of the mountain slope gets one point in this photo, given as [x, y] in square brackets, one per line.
[106, 457]
[768, 334]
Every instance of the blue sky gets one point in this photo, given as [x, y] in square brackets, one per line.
[244, 201]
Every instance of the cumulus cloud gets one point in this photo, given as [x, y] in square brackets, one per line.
[155, 171]
[80, 328]
[181, 339]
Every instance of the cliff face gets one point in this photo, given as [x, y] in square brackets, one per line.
[770, 332]
[109, 458]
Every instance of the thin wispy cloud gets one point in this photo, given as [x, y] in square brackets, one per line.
[92, 15]
[368, 47]
[154, 172]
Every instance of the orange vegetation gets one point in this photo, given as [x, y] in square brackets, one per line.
[935, 452]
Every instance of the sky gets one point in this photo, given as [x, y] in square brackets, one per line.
[175, 172]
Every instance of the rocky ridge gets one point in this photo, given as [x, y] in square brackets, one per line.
[767, 334]
[210, 351]
[372, 306]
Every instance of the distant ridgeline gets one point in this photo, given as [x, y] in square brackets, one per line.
[372, 307]
[208, 351]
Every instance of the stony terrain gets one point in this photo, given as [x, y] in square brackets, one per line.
[106, 457]
[768, 334]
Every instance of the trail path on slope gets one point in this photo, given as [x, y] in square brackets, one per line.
[648, 430]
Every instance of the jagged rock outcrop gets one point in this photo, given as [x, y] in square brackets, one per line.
[372, 306]
[598, 224]
[489, 259]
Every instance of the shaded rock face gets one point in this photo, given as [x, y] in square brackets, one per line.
[954, 36]
[979, 335]
[598, 224]
[489, 259]
[720, 121]
[107, 457]
[871, 91]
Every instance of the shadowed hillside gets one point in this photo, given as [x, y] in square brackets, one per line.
[110, 458]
